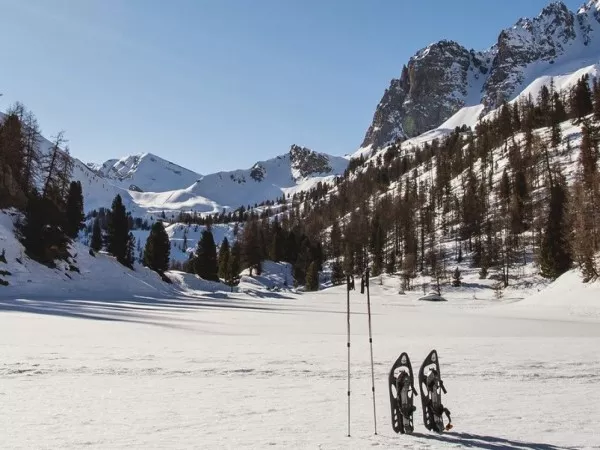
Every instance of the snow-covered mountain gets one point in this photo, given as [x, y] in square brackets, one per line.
[299, 169]
[150, 184]
[445, 76]
[146, 172]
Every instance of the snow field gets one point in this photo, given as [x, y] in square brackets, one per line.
[243, 372]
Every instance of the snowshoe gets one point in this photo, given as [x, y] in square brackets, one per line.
[431, 387]
[402, 391]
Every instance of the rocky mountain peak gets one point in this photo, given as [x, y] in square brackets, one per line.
[432, 86]
[444, 76]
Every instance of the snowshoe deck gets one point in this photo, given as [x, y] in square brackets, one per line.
[431, 387]
[402, 391]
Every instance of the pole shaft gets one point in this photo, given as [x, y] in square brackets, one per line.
[348, 344]
[371, 345]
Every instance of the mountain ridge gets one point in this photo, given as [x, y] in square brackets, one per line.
[444, 76]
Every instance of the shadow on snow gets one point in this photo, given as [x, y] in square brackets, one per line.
[137, 308]
[469, 440]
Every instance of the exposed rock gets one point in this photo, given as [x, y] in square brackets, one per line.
[306, 162]
[445, 76]
[433, 86]
[257, 173]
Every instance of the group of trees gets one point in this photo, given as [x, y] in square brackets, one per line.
[39, 183]
[497, 193]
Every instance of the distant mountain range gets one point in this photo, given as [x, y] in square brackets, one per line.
[150, 184]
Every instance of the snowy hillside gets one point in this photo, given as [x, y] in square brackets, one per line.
[299, 169]
[85, 276]
[146, 172]
[469, 116]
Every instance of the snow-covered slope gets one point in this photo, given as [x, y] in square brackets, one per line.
[146, 172]
[299, 169]
[85, 276]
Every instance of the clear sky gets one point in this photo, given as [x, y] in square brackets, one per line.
[217, 85]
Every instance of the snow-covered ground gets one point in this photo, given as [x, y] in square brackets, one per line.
[240, 371]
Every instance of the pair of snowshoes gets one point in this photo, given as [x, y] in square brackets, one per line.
[402, 393]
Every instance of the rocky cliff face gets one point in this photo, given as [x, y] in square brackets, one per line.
[436, 82]
[305, 162]
[443, 77]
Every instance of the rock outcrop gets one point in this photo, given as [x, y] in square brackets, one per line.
[443, 77]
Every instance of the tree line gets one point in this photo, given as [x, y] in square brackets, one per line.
[497, 193]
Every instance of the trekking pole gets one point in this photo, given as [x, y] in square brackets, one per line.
[348, 287]
[366, 281]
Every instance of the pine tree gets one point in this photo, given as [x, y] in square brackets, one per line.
[335, 239]
[41, 233]
[337, 273]
[11, 158]
[557, 116]
[251, 246]
[118, 232]
[555, 254]
[596, 93]
[588, 156]
[312, 277]
[96, 242]
[130, 251]
[584, 232]
[206, 266]
[233, 271]
[581, 100]
[456, 278]
[224, 256]
[74, 210]
[157, 249]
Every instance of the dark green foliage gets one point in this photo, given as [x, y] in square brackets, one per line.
[337, 273]
[224, 256]
[158, 249]
[3, 256]
[588, 156]
[118, 233]
[581, 101]
[312, 277]
[252, 249]
[130, 252]
[558, 115]
[596, 94]
[96, 242]
[74, 210]
[555, 254]
[205, 261]
[42, 234]
[456, 278]
[277, 247]
[234, 266]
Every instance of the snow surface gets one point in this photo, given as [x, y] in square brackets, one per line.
[241, 371]
[147, 172]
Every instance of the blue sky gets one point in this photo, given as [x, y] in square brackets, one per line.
[217, 85]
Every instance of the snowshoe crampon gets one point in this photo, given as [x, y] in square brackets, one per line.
[402, 391]
[431, 387]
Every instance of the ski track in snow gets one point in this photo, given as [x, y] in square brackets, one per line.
[247, 373]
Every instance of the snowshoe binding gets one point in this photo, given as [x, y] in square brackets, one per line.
[402, 391]
[431, 387]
